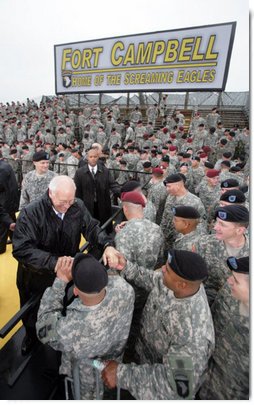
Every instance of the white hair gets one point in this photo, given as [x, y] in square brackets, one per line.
[60, 182]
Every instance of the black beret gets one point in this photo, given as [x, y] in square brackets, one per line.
[185, 211]
[228, 183]
[88, 274]
[227, 155]
[41, 155]
[233, 213]
[198, 159]
[233, 196]
[165, 159]
[184, 164]
[234, 169]
[223, 141]
[209, 165]
[130, 186]
[173, 178]
[240, 265]
[147, 164]
[13, 151]
[225, 163]
[186, 155]
[188, 265]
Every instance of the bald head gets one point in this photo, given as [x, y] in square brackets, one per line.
[132, 210]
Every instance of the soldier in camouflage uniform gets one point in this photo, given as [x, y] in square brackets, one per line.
[139, 240]
[230, 239]
[185, 222]
[92, 328]
[178, 195]
[36, 182]
[177, 335]
[157, 193]
[212, 118]
[152, 113]
[209, 190]
[228, 374]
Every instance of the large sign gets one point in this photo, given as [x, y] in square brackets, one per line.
[187, 59]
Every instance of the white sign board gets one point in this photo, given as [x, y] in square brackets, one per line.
[190, 59]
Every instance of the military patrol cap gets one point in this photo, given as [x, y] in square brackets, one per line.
[88, 274]
[228, 183]
[41, 155]
[185, 211]
[173, 178]
[240, 265]
[211, 173]
[209, 165]
[233, 196]
[233, 213]
[188, 265]
[130, 186]
[133, 197]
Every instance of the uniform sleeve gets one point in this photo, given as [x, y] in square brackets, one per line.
[140, 276]
[24, 197]
[51, 325]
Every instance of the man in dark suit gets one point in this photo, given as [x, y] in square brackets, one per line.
[94, 183]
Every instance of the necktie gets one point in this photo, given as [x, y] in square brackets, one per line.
[95, 194]
[60, 215]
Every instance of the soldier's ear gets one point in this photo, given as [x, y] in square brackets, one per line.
[75, 291]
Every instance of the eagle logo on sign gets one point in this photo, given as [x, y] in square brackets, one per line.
[67, 79]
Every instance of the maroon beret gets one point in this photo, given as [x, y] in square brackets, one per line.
[133, 197]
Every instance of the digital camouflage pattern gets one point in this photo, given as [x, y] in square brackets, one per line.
[140, 241]
[34, 186]
[214, 252]
[171, 329]
[157, 194]
[166, 223]
[100, 331]
[228, 374]
[188, 241]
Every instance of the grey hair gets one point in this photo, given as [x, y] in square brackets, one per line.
[60, 182]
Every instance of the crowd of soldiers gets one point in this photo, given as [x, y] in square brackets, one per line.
[184, 240]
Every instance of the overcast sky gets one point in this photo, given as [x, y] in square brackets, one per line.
[30, 28]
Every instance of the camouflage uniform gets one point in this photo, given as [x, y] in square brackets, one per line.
[166, 222]
[27, 163]
[171, 329]
[72, 166]
[34, 186]
[215, 253]
[228, 374]
[140, 241]
[150, 211]
[197, 175]
[208, 195]
[188, 241]
[157, 193]
[86, 332]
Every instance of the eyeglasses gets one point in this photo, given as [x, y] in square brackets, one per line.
[66, 202]
[232, 263]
